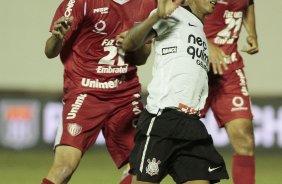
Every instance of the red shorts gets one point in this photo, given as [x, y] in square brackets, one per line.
[229, 98]
[84, 116]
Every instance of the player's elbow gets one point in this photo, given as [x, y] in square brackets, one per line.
[134, 59]
[128, 46]
[50, 52]
[50, 55]
[137, 57]
[53, 47]
[140, 62]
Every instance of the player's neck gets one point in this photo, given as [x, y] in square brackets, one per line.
[194, 12]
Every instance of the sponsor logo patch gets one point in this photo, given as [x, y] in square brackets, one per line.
[96, 83]
[238, 104]
[198, 50]
[243, 82]
[103, 10]
[112, 69]
[99, 27]
[169, 50]
[69, 8]
[188, 110]
[76, 106]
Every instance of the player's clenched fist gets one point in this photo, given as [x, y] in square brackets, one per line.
[62, 26]
[252, 47]
[167, 7]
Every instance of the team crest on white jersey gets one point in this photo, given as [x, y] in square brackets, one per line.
[153, 167]
[74, 129]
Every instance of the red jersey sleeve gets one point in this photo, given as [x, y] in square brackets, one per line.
[68, 8]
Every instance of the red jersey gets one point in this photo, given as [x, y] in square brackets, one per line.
[93, 60]
[223, 27]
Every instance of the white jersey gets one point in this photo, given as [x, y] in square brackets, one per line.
[180, 64]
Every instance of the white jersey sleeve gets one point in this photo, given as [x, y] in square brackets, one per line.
[163, 26]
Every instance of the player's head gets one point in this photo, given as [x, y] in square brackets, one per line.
[201, 7]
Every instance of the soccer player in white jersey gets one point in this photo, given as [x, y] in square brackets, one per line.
[170, 138]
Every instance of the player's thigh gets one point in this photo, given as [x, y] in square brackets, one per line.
[120, 127]
[232, 99]
[238, 128]
[207, 165]
[122, 120]
[83, 118]
[119, 134]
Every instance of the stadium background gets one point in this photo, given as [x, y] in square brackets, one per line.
[31, 86]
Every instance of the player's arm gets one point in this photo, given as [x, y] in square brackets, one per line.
[55, 43]
[138, 56]
[134, 43]
[250, 26]
[140, 34]
[217, 58]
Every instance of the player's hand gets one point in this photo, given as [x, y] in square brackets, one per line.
[167, 7]
[217, 59]
[253, 45]
[62, 26]
[120, 38]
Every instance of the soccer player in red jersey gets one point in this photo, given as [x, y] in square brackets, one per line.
[101, 87]
[228, 95]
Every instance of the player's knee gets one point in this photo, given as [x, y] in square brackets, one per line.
[244, 144]
[63, 170]
[67, 170]
[242, 137]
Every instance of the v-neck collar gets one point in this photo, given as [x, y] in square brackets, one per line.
[121, 2]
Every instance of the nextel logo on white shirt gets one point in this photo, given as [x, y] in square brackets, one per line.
[198, 50]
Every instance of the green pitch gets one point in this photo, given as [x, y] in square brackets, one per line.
[29, 167]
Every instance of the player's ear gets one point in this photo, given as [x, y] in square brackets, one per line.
[183, 2]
